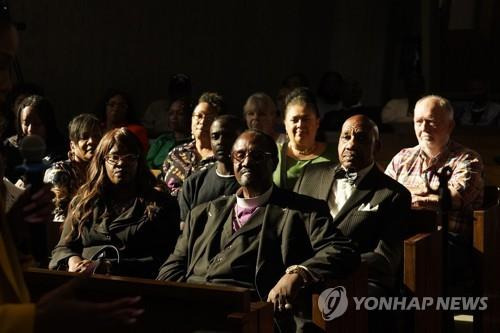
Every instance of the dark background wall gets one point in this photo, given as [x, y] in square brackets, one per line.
[76, 49]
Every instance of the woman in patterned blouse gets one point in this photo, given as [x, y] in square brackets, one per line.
[184, 159]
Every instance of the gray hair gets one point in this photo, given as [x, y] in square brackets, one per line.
[260, 100]
[442, 102]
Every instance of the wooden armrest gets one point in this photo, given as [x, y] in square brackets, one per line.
[423, 263]
[352, 321]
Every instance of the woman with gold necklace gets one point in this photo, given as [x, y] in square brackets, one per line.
[301, 123]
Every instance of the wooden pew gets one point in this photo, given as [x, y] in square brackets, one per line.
[422, 266]
[492, 175]
[352, 321]
[169, 306]
[486, 242]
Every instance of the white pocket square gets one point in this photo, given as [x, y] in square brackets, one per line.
[367, 208]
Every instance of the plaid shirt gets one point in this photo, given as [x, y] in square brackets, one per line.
[407, 167]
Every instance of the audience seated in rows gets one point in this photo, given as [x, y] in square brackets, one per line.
[187, 158]
[217, 180]
[260, 236]
[352, 104]
[301, 123]
[479, 110]
[179, 115]
[116, 109]
[120, 215]
[268, 239]
[67, 176]
[156, 117]
[289, 83]
[400, 110]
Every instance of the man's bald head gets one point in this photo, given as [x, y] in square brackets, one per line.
[440, 104]
[358, 142]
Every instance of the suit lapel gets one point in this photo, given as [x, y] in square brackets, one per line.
[215, 221]
[269, 247]
[326, 184]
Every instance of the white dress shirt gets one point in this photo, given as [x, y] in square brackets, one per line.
[342, 190]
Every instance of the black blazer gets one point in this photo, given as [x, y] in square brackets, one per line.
[293, 229]
[142, 236]
[377, 232]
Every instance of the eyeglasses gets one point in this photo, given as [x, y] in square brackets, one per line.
[257, 156]
[196, 117]
[114, 159]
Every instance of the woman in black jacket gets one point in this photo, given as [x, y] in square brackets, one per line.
[120, 215]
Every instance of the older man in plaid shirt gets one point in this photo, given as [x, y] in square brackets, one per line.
[416, 169]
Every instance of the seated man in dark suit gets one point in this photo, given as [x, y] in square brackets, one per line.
[210, 183]
[366, 205]
[263, 237]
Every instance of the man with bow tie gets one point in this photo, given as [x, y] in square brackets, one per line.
[264, 238]
[365, 204]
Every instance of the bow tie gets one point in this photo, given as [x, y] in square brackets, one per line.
[350, 177]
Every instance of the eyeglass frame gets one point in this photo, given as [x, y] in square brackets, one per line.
[122, 158]
[265, 155]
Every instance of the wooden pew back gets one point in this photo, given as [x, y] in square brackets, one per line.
[422, 262]
[169, 306]
[486, 242]
[352, 321]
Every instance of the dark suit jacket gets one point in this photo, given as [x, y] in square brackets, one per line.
[378, 233]
[291, 229]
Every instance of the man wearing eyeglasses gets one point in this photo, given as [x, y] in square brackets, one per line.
[263, 238]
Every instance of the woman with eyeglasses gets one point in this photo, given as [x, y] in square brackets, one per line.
[301, 123]
[187, 158]
[120, 216]
[116, 109]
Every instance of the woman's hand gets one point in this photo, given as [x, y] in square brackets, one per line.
[78, 265]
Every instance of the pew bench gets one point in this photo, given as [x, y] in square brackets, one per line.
[423, 275]
[486, 243]
[422, 266]
[169, 306]
[352, 321]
